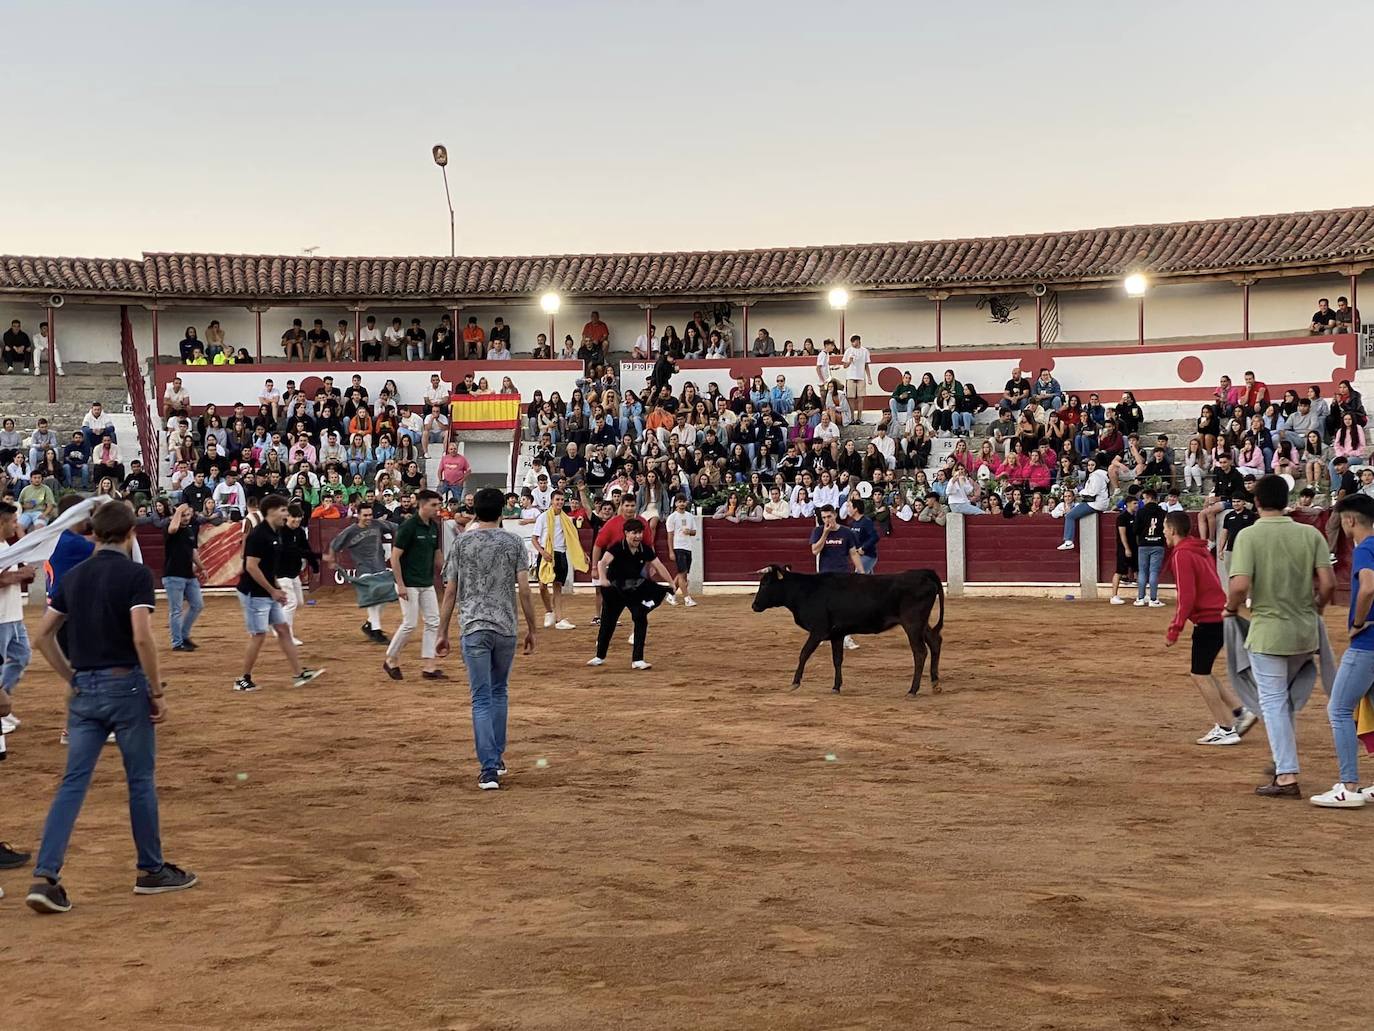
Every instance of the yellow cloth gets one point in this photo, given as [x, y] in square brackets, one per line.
[577, 558]
[1364, 722]
[484, 410]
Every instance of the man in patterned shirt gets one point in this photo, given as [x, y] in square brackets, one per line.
[484, 569]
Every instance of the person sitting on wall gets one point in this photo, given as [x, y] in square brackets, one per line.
[1016, 392]
[1347, 318]
[344, 343]
[18, 347]
[474, 339]
[293, 342]
[318, 341]
[1323, 319]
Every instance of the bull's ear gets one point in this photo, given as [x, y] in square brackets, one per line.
[787, 569]
[778, 571]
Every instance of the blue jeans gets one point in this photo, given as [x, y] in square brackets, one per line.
[1151, 560]
[101, 703]
[900, 410]
[78, 474]
[181, 590]
[452, 491]
[964, 508]
[962, 422]
[1076, 513]
[1084, 445]
[488, 657]
[93, 438]
[1272, 675]
[15, 650]
[1353, 681]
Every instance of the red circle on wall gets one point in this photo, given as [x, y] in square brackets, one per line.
[1190, 369]
[1034, 361]
[889, 378]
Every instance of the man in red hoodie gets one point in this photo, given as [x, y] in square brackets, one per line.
[1201, 599]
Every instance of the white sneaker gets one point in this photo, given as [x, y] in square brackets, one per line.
[671, 599]
[9, 724]
[1368, 793]
[548, 620]
[111, 739]
[297, 641]
[690, 603]
[1247, 720]
[1219, 735]
[631, 638]
[1116, 599]
[563, 624]
[1339, 798]
[1139, 603]
[641, 664]
[596, 662]
[850, 644]
[1155, 603]
[1066, 546]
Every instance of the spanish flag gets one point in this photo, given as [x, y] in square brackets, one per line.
[484, 412]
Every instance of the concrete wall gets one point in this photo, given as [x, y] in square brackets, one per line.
[1177, 311]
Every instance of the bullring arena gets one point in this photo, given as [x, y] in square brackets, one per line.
[698, 845]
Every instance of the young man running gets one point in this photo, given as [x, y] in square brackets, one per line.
[682, 526]
[1356, 674]
[484, 570]
[296, 552]
[261, 598]
[625, 585]
[611, 534]
[415, 561]
[1201, 600]
[363, 542]
[560, 551]
[115, 687]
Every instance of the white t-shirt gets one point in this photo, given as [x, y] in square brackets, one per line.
[679, 522]
[823, 365]
[343, 337]
[11, 603]
[960, 492]
[438, 394]
[541, 531]
[269, 396]
[1096, 490]
[227, 496]
[857, 359]
[826, 432]
[370, 335]
[646, 345]
[542, 497]
[177, 397]
[395, 337]
[885, 448]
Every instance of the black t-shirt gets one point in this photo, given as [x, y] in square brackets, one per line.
[1349, 484]
[1236, 521]
[1149, 525]
[571, 466]
[627, 567]
[265, 545]
[1125, 521]
[137, 483]
[1229, 483]
[177, 549]
[195, 496]
[1324, 318]
[96, 596]
[1018, 387]
[318, 337]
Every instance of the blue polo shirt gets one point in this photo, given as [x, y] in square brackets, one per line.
[70, 551]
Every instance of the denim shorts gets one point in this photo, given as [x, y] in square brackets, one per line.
[260, 615]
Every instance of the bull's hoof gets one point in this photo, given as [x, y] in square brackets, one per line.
[796, 686]
[914, 691]
[935, 686]
[836, 690]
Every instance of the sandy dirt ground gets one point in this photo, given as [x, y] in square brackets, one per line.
[1040, 846]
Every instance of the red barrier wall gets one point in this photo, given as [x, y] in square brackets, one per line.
[736, 551]
[1020, 550]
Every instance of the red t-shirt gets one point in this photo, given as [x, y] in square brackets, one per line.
[612, 533]
[1252, 394]
[598, 332]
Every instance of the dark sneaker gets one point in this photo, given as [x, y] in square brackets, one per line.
[306, 675]
[245, 684]
[488, 781]
[1276, 790]
[189, 645]
[368, 631]
[394, 672]
[169, 878]
[182, 647]
[48, 898]
[9, 858]
[379, 638]
[436, 674]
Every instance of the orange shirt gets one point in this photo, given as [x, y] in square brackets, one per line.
[597, 332]
[474, 335]
[659, 419]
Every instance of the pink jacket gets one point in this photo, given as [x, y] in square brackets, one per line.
[1355, 449]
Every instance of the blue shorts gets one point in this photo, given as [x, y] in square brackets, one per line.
[260, 615]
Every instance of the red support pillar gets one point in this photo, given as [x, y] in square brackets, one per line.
[52, 355]
[1039, 329]
[357, 336]
[1245, 311]
[939, 319]
[459, 348]
[748, 344]
[257, 312]
[155, 343]
[1354, 298]
[840, 342]
[1140, 321]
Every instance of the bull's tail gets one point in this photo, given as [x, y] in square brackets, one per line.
[936, 619]
[935, 624]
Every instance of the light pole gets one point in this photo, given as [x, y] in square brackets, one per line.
[1136, 285]
[839, 300]
[550, 302]
[441, 159]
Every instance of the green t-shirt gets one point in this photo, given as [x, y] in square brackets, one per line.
[418, 543]
[1280, 557]
[36, 499]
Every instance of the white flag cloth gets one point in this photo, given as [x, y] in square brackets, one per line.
[37, 546]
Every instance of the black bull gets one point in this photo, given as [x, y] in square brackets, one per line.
[829, 606]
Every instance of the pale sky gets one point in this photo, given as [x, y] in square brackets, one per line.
[614, 125]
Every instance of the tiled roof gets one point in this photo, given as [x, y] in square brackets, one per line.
[102, 275]
[1267, 242]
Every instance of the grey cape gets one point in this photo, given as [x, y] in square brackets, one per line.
[1299, 688]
